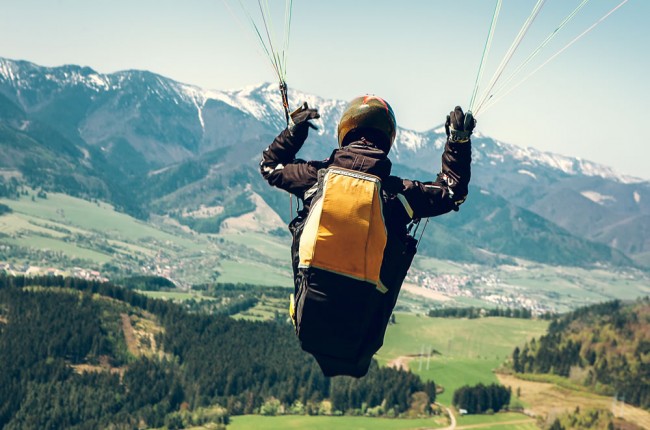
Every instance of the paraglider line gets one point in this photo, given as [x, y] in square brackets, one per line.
[561, 50]
[486, 49]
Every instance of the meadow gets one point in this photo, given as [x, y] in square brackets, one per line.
[254, 422]
[267, 309]
[178, 296]
[455, 352]
[502, 421]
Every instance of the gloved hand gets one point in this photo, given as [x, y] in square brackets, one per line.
[459, 125]
[299, 121]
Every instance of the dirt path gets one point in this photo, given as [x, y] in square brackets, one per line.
[129, 335]
[452, 418]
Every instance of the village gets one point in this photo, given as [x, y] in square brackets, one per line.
[487, 287]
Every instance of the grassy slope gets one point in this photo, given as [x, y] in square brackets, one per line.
[87, 216]
[469, 349]
[96, 234]
[577, 286]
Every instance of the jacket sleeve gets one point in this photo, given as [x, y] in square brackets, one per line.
[281, 169]
[448, 191]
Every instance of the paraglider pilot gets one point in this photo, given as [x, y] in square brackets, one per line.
[351, 244]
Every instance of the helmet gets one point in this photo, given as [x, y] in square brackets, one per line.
[371, 117]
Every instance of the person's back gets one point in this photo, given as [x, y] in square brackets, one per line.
[345, 292]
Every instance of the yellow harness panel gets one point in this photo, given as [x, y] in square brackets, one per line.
[345, 231]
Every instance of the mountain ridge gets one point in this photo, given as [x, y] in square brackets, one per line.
[140, 138]
[263, 102]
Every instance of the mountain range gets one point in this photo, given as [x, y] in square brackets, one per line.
[151, 145]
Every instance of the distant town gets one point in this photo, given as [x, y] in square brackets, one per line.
[487, 287]
[29, 270]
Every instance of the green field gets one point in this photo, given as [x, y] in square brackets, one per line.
[267, 309]
[500, 421]
[89, 216]
[439, 266]
[465, 351]
[254, 422]
[176, 295]
[251, 272]
[505, 421]
[566, 288]
[72, 250]
[271, 246]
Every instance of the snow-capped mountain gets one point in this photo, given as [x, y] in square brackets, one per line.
[32, 85]
[128, 127]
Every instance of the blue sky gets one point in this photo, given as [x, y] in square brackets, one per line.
[421, 55]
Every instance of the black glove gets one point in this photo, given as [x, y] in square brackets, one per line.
[459, 125]
[299, 122]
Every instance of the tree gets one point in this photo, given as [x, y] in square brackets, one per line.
[516, 364]
[482, 398]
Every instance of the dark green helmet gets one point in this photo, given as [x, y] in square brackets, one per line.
[370, 117]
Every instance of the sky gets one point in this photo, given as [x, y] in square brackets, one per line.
[422, 56]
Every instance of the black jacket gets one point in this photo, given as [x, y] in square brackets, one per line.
[281, 168]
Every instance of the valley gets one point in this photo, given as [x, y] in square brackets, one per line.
[61, 234]
[64, 235]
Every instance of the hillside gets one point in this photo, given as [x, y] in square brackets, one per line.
[605, 347]
[78, 354]
[454, 352]
[59, 233]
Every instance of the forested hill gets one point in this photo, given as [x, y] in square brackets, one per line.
[77, 354]
[605, 347]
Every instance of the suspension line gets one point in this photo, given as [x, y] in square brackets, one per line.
[265, 37]
[513, 47]
[486, 50]
[580, 36]
[538, 49]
